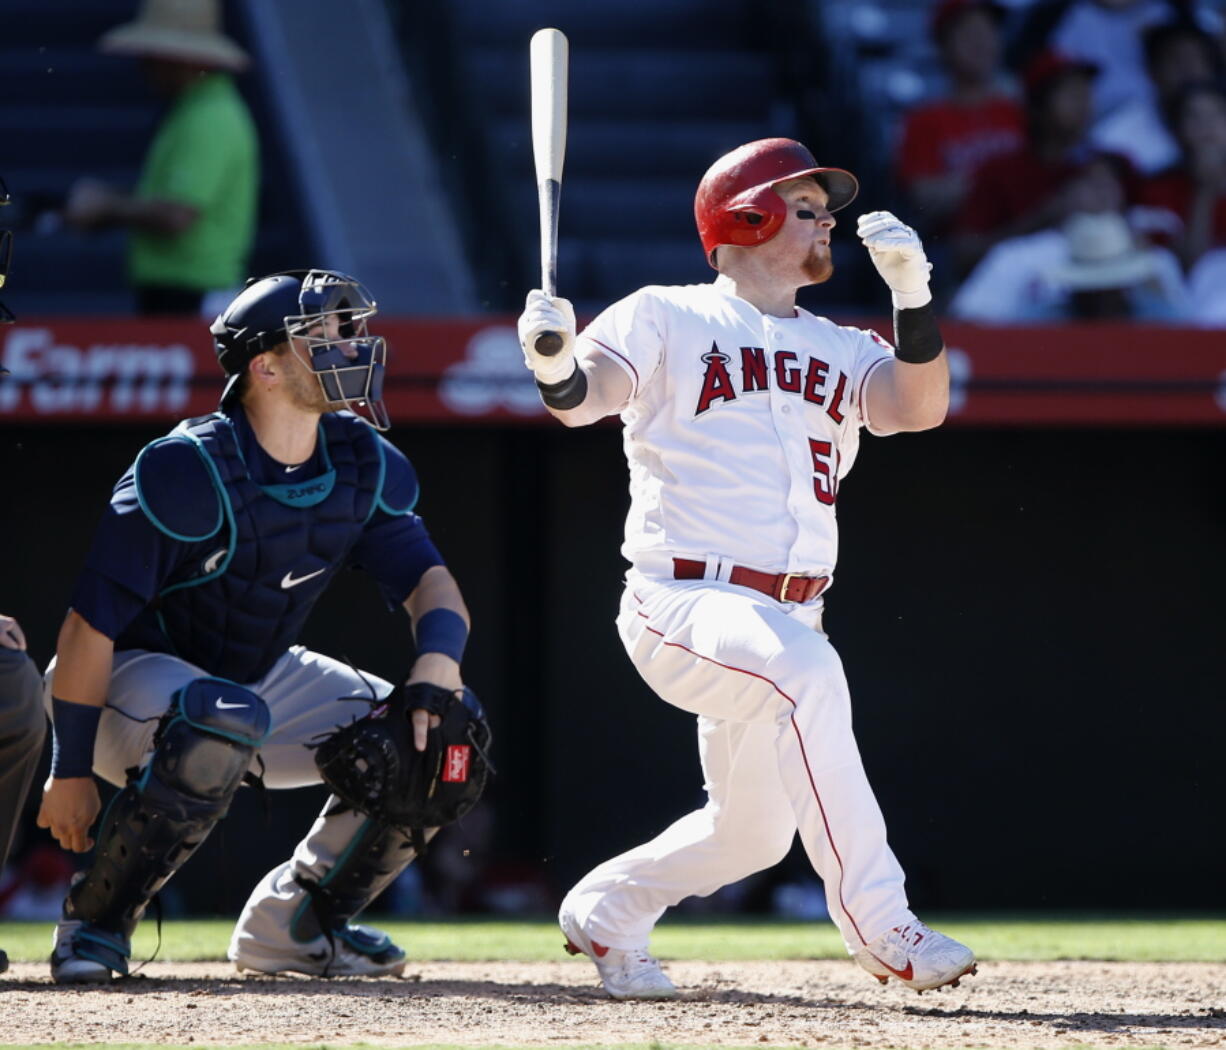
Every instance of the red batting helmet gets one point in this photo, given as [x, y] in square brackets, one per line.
[736, 201]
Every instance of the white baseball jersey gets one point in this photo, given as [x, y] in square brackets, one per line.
[738, 428]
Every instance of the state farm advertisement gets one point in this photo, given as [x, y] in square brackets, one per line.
[95, 371]
[470, 370]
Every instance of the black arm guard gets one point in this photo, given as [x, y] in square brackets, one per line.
[567, 394]
[917, 338]
[373, 767]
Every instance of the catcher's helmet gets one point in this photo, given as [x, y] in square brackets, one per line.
[736, 201]
[348, 361]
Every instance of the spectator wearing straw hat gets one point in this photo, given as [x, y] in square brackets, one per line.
[1092, 268]
[192, 215]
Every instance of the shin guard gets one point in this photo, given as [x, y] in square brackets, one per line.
[369, 864]
[201, 752]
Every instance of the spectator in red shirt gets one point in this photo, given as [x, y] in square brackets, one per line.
[945, 140]
[1194, 190]
[1025, 189]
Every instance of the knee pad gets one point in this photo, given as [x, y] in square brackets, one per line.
[368, 865]
[201, 752]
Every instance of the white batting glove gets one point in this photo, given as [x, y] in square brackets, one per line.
[899, 256]
[542, 314]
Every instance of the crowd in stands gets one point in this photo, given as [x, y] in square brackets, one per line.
[1074, 166]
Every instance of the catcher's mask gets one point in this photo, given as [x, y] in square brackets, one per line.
[736, 202]
[322, 314]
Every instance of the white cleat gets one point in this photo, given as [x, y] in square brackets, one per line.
[629, 974]
[83, 954]
[354, 951]
[917, 956]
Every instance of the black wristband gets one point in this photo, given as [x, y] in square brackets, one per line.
[566, 394]
[917, 338]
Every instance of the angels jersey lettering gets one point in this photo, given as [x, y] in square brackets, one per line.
[738, 428]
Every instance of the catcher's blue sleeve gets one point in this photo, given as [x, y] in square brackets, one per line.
[395, 547]
[130, 558]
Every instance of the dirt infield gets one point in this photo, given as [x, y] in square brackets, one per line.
[777, 1003]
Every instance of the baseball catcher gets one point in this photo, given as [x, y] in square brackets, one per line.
[177, 675]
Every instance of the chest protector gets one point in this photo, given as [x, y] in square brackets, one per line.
[242, 596]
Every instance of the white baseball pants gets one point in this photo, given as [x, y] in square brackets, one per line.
[778, 756]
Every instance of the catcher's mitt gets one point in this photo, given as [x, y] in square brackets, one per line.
[373, 766]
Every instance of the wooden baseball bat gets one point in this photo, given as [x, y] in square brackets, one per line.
[549, 55]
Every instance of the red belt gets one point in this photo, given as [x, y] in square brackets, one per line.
[783, 586]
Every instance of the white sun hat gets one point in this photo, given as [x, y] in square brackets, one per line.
[1103, 253]
[182, 30]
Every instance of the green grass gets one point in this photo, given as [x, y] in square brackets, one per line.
[1151, 938]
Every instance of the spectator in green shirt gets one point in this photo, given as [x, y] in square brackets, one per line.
[192, 215]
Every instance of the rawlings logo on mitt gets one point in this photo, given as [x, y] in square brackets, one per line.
[373, 767]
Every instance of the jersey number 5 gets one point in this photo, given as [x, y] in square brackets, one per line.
[825, 480]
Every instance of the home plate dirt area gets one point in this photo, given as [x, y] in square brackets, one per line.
[797, 1003]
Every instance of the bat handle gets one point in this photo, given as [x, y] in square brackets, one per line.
[548, 344]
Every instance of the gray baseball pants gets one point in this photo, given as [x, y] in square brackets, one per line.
[23, 725]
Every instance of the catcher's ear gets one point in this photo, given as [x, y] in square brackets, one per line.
[262, 368]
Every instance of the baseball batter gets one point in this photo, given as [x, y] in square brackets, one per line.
[176, 675]
[742, 414]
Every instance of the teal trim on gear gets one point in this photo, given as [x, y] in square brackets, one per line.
[148, 511]
[353, 939]
[307, 493]
[295, 922]
[116, 950]
[281, 493]
[228, 509]
[380, 502]
[353, 844]
[237, 738]
[111, 804]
